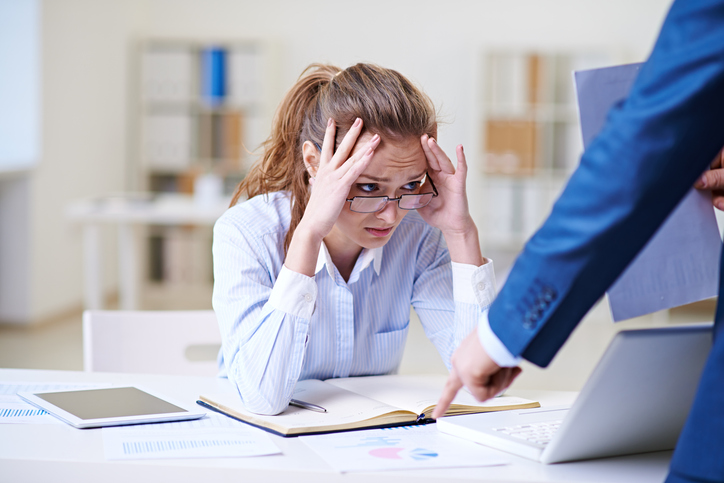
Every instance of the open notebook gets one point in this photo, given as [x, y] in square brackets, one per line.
[360, 402]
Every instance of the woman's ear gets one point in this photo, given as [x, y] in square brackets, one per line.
[310, 154]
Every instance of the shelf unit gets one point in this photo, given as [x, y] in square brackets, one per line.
[204, 108]
[531, 139]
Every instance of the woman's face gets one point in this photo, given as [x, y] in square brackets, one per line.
[397, 168]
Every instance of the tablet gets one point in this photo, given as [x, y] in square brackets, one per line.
[115, 406]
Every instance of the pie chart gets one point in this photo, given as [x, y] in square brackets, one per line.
[418, 454]
[387, 453]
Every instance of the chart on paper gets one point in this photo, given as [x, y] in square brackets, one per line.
[210, 437]
[406, 447]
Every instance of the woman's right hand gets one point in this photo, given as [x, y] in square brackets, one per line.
[334, 177]
[332, 181]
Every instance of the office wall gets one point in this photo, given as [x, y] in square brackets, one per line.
[439, 45]
[84, 101]
[86, 90]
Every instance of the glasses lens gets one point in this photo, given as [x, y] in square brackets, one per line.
[361, 204]
[413, 202]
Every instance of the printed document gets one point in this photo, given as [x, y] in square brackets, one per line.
[406, 447]
[680, 263]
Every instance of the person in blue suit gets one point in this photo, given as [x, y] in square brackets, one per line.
[654, 146]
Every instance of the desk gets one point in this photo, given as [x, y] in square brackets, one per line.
[59, 453]
[128, 211]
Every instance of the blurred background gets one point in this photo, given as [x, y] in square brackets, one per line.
[125, 125]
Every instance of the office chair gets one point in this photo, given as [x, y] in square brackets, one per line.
[151, 342]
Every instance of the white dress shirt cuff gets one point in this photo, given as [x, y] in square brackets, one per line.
[294, 293]
[474, 285]
[495, 349]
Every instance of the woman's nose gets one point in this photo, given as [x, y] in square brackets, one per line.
[389, 212]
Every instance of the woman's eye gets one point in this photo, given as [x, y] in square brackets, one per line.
[411, 186]
[367, 187]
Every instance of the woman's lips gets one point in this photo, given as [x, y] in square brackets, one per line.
[380, 232]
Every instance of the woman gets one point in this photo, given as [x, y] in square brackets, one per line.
[316, 272]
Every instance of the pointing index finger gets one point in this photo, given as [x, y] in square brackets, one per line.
[452, 386]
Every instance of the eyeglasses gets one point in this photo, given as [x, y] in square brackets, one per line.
[373, 204]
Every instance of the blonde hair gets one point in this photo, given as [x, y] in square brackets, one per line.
[386, 101]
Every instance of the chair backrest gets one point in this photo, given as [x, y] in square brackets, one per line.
[151, 342]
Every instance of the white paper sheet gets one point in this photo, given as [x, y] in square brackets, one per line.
[679, 265]
[14, 410]
[406, 447]
[213, 436]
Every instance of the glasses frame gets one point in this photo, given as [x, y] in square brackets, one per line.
[398, 199]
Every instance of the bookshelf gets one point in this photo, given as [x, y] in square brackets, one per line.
[531, 140]
[203, 109]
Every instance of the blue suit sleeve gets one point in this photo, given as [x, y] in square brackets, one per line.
[651, 150]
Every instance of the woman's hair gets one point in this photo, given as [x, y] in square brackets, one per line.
[387, 102]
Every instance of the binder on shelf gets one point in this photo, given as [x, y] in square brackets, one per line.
[217, 136]
[168, 141]
[213, 76]
[155, 258]
[244, 72]
[167, 73]
[231, 135]
[511, 146]
[205, 133]
[220, 135]
[517, 82]
[163, 183]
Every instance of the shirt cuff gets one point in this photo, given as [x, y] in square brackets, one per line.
[294, 293]
[495, 349]
[474, 285]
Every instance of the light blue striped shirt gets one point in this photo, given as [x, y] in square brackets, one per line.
[279, 326]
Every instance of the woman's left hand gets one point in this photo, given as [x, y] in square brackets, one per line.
[449, 210]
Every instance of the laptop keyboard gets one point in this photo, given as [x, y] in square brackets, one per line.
[538, 433]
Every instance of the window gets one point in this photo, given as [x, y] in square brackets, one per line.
[19, 84]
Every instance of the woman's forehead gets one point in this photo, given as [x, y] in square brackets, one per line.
[394, 159]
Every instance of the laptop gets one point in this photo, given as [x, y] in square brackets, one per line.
[635, 401]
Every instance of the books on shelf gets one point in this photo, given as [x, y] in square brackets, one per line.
[180, 256]
[360, 402]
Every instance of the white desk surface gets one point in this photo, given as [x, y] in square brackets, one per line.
[60, 453]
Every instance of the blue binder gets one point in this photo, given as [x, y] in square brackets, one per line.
[213, 75]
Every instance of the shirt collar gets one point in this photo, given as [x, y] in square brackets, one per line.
[367, 256]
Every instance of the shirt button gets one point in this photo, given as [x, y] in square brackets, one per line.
[480, 286]
[308, 297]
